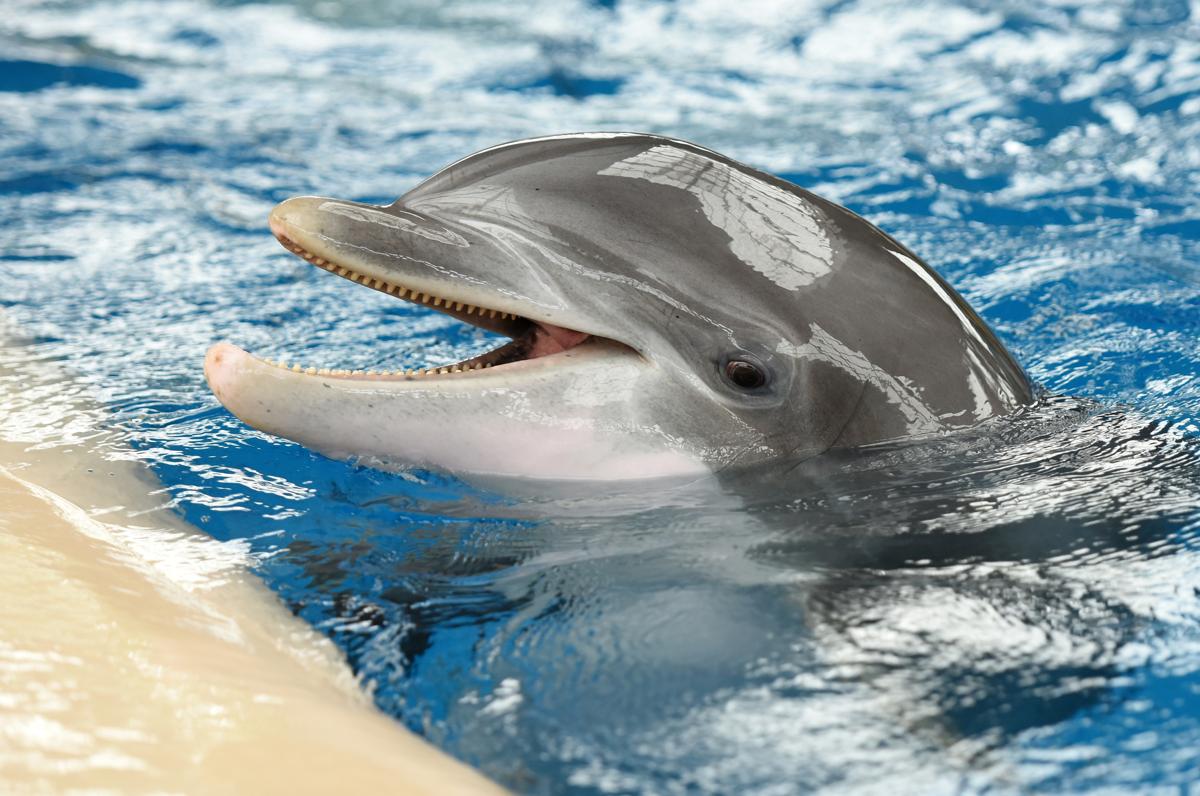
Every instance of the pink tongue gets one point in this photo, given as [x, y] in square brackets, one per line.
[548, 339]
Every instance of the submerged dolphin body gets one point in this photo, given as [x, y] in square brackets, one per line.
[672, 311]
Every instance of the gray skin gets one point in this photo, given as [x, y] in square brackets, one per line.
[676, 260]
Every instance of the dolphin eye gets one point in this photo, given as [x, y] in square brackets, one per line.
[745, 374]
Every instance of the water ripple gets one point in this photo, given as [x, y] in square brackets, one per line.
[1014, 609]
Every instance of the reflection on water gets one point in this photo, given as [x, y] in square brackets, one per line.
[1013, 609]
[1017, 609]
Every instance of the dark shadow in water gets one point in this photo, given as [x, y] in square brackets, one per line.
[26, 76]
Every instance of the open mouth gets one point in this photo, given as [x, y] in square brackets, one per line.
[531, 340]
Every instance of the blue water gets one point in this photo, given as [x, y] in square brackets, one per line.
[1016, 609]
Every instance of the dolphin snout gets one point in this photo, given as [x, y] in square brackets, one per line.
[221, 365]
[293, 215]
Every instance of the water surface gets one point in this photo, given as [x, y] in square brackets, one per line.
[1013, 609]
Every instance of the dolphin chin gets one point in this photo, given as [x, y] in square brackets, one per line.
[671, 312]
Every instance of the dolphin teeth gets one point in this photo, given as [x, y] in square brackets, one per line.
[324, 371]
[296, 368]
[400, 291]
[311, 371]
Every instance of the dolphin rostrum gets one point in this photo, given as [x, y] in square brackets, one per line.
[671, 312]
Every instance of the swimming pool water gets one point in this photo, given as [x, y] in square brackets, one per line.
[1016, 609]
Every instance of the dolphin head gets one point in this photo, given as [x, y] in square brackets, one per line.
[671, 312]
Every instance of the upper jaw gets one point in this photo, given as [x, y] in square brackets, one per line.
[353, 241]
[299, 226]
[459, 261]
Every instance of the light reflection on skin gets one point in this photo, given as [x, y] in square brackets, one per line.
[897, 390]
[769, 229]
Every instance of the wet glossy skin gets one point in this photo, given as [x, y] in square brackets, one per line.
[686, 257]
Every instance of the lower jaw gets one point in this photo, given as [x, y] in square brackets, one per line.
[541, 419]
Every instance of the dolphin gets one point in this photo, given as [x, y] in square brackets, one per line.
[671, 312]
